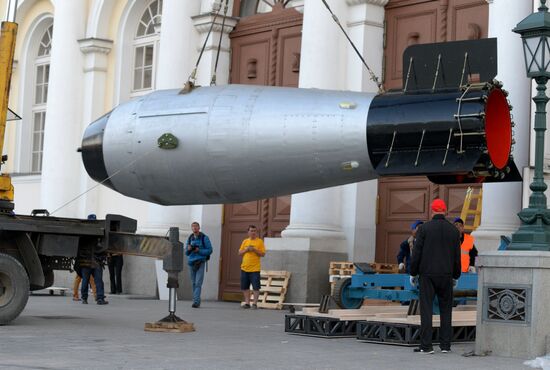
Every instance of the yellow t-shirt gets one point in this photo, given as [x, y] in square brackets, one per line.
[251, 261]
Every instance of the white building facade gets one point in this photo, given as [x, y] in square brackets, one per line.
[77, 59]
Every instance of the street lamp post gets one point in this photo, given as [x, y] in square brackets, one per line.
[534, 232]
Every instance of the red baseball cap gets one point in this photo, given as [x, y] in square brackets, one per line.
[438, 205]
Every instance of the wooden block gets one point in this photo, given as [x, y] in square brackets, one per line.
[340, 265]
[465, 308]
[391, 315]
[276, 306]
[273, 289]
[169, 327]
[269, 273]
[380, 302]
[273, 298]
[274, 283]
[385, 309]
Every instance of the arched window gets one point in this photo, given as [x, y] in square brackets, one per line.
[146, 45]
[42, 75]
[251, 7]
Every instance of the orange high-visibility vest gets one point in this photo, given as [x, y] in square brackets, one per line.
[465, 249]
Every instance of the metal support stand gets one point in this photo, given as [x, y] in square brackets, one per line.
[173, 264]
[172, 318]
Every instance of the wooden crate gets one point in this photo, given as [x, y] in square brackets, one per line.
[342, 265]
[274, 285]
[348, 268]
[385, 268]
[341, 268]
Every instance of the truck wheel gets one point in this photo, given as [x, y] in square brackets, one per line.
[14, 288]
[341, 295]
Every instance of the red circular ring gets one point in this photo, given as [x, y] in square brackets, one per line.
[498, 128]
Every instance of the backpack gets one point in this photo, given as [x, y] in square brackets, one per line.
[201, 235]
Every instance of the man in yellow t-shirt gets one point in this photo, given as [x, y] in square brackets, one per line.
[251, 250]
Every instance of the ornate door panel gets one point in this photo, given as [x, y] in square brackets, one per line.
[467, 20]
[265, 51]
[399, 204]
[289, 44]
[410, 22]
[250, 59]
[233, 232]
[401, 201]
[405, 26]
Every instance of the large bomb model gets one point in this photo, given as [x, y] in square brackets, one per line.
[237, 143]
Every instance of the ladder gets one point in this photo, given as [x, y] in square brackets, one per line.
[471, 209]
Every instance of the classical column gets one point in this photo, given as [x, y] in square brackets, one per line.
[173, 68]
[95, 52]
[177, 58]
[502, 202]
[176, 62]
[203, 23]
[61, 164]
[365, 24]
[317, 214]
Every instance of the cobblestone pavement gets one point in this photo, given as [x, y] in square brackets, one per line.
[56, 333]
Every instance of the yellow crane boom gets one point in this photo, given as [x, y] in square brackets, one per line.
[7, 49]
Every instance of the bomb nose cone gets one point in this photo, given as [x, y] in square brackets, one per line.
[92, 150]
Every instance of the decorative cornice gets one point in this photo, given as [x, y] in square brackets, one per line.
[94, 45]
[372, 2]
[215, 48]
[365, 23]
[203, 22]
[268, 21]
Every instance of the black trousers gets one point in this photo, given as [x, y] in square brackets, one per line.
[115, 273]
[442, 287]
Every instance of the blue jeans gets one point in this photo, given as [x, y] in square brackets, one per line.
[97, 273]
[197, 276]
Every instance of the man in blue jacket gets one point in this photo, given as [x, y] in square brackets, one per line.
[405, 249]
[198, 250]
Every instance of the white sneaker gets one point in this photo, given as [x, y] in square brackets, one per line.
[423, 351]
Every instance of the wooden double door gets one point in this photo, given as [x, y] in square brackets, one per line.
[265, 51]
[400, 203]
[402, 200]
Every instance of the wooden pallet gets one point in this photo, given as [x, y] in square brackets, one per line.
[341, 268]
[169, 327]
[385, 268]
[348, 268]
[274, 285]
[376, 324]
[341, 265]
[462, 315]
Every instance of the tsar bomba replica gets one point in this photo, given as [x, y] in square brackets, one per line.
[237, 143]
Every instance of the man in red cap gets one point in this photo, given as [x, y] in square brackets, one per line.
[435, 265]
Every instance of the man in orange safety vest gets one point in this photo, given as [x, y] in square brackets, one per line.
[468, 251]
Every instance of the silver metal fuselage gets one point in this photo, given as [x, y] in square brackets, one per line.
[236, 143]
